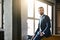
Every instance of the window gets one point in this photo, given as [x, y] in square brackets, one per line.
[50, 11]
[50, 15]
[30, 8]
[33, 15]
[30, 26]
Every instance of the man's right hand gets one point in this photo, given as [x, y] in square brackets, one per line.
[32, 38]
[41, 34]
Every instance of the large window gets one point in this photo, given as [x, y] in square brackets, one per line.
[33, 15]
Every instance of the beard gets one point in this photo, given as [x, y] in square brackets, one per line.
[41, 13]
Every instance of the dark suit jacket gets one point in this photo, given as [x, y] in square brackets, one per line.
[45, 26]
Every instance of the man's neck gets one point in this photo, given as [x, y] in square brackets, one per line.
[42, 15]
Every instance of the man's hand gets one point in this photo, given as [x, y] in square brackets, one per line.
[41, 34]
[32, 38]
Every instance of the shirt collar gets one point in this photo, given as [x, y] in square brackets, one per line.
[41, 15]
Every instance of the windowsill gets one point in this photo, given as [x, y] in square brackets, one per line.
[56, 35]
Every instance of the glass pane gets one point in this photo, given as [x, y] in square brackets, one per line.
[50, 15]
[0, 16]
[40, 4]
[36, 24]
[50, 11]
[30, 8]
[30, 24]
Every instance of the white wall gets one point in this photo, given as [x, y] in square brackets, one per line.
[24, 19]
[8, 19]
[54, 18]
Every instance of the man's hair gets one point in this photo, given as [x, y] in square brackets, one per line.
[40, 7]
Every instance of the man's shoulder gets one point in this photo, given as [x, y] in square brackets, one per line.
[46, 16]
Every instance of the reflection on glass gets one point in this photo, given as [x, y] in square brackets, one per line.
[30, 8]
[30, 24]
[50, 11]
[40, 4]
[36, 24]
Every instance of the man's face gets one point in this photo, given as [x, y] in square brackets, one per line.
[41, 11]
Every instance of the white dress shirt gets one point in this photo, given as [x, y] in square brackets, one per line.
[41, 17]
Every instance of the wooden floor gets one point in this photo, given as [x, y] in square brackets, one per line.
[54, 37]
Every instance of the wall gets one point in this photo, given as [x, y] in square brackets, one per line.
[7, 19]
[54, 21]
[16, 12]
[24, 19]
[53, 1]
[57, 18]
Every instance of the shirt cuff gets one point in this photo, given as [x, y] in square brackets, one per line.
[43, 32]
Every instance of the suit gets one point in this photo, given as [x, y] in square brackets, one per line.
[44, 26]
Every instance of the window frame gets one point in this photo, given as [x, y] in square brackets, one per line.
[33, 18]
[2, 11]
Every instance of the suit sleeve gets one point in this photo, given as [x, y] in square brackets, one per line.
[37, 30]
[48, 25]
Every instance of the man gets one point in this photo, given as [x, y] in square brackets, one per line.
[43, 26]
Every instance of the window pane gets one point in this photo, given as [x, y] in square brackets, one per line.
[36, 24]
[30, 8]
[50, 15]
[50, 11]
[40, 4]
[30, 24]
